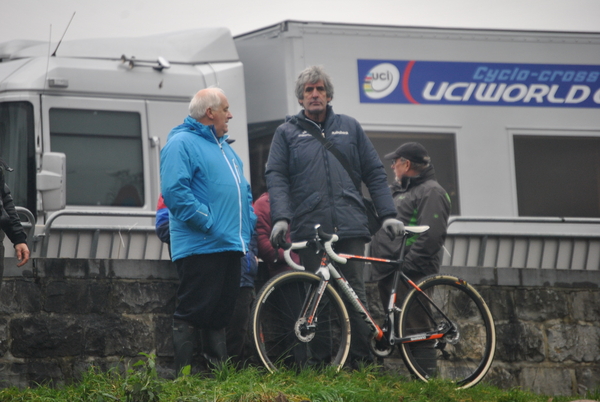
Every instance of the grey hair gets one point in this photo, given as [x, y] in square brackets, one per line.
[416, 166]
[201, 102]
[312, 75]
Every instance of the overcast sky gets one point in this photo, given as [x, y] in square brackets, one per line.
[37, 19]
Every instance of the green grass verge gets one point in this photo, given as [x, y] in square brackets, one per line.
[140, 383]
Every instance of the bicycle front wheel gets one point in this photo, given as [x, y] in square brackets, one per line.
[281, 332]
[465, 353]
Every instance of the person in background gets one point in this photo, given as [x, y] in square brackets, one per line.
[308, 185]
[11, 224]
[273, 258]
[211, 222]
[162, 222]
[237, 330]
[420, 200]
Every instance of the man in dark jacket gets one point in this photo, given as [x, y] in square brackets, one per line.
[11, 224]
[308, 186]
[419, 200]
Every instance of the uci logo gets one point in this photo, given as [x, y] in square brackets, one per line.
[381, 80]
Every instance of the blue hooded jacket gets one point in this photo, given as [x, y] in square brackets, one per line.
[203, 186]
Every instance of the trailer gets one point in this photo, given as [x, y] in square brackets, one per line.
[82, 123]
[511, 120]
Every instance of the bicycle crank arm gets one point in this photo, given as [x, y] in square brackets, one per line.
[426, 336]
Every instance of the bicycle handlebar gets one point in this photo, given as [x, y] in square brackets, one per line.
[327, 240]
[288, 247]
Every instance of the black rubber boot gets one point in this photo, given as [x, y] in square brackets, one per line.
[214, 342]
[184, 335]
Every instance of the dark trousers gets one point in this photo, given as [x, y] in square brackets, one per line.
[353, 272]
[2, 235]
[419, 320]
[208, 288]
[237, 331]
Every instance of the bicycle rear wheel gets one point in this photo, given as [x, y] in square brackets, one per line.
[463, 355]
[281, 335]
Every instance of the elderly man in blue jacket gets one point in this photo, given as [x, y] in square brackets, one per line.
[308, 185]
[211, 223]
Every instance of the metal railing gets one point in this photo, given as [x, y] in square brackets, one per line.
[87, 240]
[29, 226]
[534, 249]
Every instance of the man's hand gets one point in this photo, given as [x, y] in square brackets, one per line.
[22, 253]
[393, 227]
[278, 233]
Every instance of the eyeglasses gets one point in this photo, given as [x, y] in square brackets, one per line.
[398, 161]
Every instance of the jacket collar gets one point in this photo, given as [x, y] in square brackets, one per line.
[301, 116]
[410, 182]
[206, 132]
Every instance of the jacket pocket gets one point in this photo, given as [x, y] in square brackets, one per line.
[308, 205]
[354, 199]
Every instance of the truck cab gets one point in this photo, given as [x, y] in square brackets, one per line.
[82, 124]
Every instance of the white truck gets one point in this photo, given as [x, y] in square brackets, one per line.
[82, 123]
[511, 120]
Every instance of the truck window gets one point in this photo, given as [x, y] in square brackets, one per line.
[557, 176]
[104, 156]
[17, 150]
[441, 148]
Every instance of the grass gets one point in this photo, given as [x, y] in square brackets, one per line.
[141, 384]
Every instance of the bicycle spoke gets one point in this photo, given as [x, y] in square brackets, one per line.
[284, 337]
[465, 351]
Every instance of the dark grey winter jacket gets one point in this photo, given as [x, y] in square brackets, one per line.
[419, 201]
[308, 185]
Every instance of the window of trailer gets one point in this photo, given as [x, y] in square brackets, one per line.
[557, 175]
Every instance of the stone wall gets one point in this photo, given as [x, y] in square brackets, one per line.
[59, 316]
[63, 315]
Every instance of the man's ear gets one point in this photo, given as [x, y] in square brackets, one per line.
[209, 113]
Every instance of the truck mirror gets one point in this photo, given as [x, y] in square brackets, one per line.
[52, 181]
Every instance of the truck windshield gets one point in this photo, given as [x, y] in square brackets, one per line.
[104, 155]
[16, 149]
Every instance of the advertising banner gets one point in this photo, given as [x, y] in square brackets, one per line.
[486, 84]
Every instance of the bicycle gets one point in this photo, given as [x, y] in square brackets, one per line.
[443, 329]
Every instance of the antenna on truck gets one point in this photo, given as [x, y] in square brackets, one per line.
[64, 33]
[48, 58]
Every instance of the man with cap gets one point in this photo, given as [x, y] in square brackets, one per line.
[419, 200]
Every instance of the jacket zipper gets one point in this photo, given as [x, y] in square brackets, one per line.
[329, 186]
[237, 182]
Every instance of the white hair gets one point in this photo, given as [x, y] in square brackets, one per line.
[204, 100]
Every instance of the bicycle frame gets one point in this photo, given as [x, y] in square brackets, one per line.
[327, 270]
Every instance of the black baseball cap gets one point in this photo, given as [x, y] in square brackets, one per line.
[413, 151]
